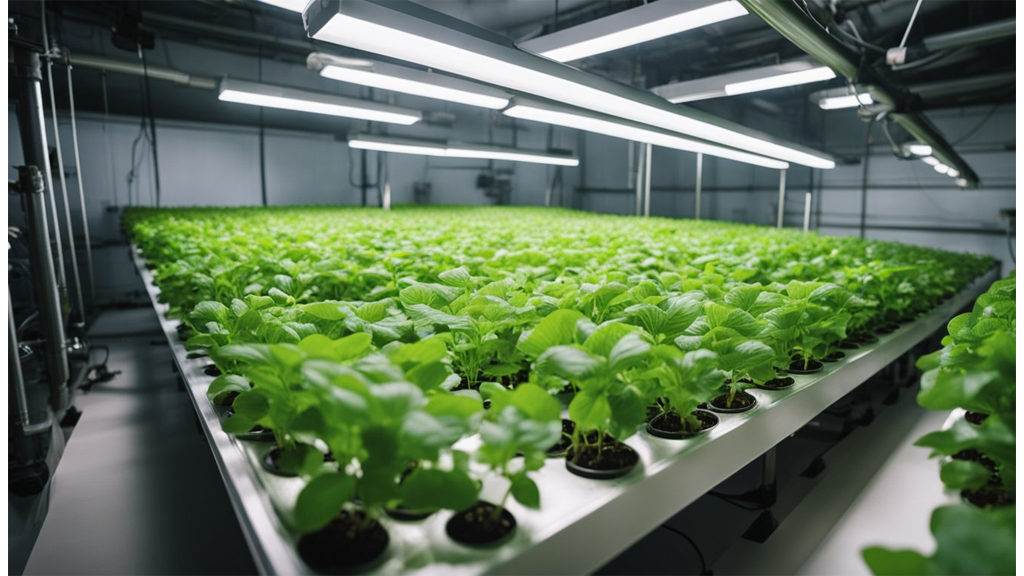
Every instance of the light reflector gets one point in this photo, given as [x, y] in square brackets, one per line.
[568, 117]
[630, 27]
[256, 94]
[409, 81]
[457, 150]
[410, 32]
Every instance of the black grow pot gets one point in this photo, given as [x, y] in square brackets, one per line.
[741, 402]
[835, 356]
[975, 418]
[478, 526]
[613, 460]
[269, 463]
[345, 545]
[564, 441]
[848, 345]
[671, 427]
[779, 383]
[211, 370]
[406, 514]
[810, 367]
[863, 338]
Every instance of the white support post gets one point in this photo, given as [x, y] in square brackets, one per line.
[782, 196]
[807, 211]
[640, 181]
[647, 181]
[700, 178]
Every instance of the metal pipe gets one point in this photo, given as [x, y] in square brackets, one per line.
[33, 182]
[647, 180]
[807, 211]
[782, 197]
[81, 190]
[133, 69]
[16, 378]
[974, 35]
[788, 19]
[72, 253]
[864, 183]
[700, 183]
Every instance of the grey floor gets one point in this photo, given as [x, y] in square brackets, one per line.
[137, 490]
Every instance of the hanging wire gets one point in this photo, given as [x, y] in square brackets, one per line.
[911, 24]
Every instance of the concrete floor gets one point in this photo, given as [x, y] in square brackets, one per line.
[137, 490]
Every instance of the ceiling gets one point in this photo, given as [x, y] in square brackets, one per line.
[248, 39]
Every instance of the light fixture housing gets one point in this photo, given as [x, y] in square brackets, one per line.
[290, 5]
[408, 81]
[817, 74]
[256, 94]
[587, 121]
[919, 149]
[716, 86]
[848, 101]
[401, 145]
[410, 32]
[630, 27]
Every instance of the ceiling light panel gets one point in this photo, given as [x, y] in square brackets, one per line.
[256, 94]
[849, 101]
[630, 27]
[561, 115]
[410, 32]
[416, 82]
[457, 150]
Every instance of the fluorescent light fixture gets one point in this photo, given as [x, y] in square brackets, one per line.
[292, 5]
[850, 101]
[781, 81]
[269, 96]
[457, 150]
[930, 160]
[561, 115]
[715, 86]
[630, 27]
[952, 173]
[408, 31]
[919, 149]
[409, 81]
[941, 168]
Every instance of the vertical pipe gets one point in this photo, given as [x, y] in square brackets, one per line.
[385, 199]
[15, 378]
[639, 181]
[81, 190]
[72, 254]
[34, 179]
[700, 183]
[864, 183]
[807, 211]
[782, 197]
[647, 181]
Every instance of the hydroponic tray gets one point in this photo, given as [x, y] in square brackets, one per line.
[582, 524]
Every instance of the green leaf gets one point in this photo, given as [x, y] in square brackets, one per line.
[590, 411]
[325, 310]
[226, 384]
[457, 277]
[962, 474]
[884, 562]
[628, 352]
[525, 491]
[429, 489]
[557, 328]
[567, 362]
[321, 500]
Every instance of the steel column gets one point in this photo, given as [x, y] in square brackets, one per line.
[700, 183]
[782, 197]
[647, 180]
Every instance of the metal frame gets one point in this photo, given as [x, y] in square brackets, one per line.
[582, 523]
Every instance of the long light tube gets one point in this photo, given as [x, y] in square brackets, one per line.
[457, 150]
[292, 5]
[781, 81]
[850, 101]
[941, 168]
[630, 27]
[418, 83]
[411, 32]
[243, 92]
[919, 149]
[617, 128]
[931, 160]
